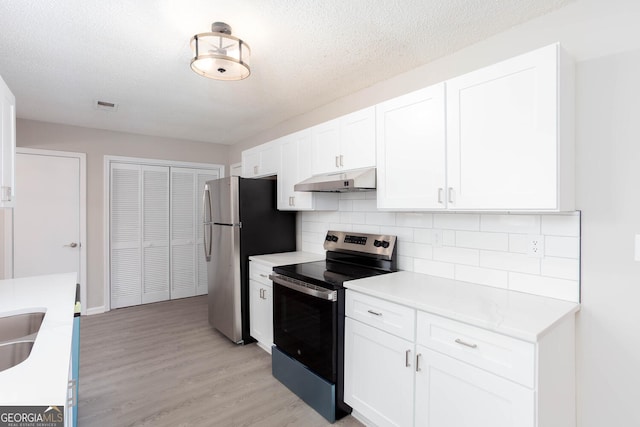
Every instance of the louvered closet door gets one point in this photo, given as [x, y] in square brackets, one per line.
[125, 241]
[201, 272]
[183, 229]
[155, 233]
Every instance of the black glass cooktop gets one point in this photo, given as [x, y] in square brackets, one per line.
[328, 274]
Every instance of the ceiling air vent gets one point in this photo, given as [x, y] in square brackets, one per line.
[105, 106]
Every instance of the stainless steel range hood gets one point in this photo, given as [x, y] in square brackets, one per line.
[340, 182]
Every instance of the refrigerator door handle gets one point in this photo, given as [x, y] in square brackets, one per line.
[206, 220]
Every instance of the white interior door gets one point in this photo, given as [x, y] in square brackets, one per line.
[48, 217]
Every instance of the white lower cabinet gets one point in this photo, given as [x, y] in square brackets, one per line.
[453, 374]
[261, 305]
[452, 393]
[377, 383]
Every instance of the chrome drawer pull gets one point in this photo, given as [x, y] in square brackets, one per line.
[407, 355]
[466, 344]
[418, 357]
[264, 275]
[375, 313]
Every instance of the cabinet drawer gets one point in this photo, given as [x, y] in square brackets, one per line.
[387, 316]
[260, 273]
[505, 356]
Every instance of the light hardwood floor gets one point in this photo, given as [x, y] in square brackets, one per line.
[163, 365]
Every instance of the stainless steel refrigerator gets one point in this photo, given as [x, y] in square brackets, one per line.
[240, 219]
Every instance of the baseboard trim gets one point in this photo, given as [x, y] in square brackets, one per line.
[95, 310]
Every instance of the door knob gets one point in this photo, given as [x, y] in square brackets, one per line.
[72, 245]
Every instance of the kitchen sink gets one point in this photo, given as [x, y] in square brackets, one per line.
[13, 353]
[19, 326]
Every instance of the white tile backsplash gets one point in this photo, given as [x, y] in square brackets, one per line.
[524, 224]
[483, 276]
[564, 247]
[509, 261]
[456, 221]
[488, 249]
[482, 240]
[561, 225]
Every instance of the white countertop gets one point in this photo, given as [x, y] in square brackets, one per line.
[42, 378]
[512, 313]
[284, 258]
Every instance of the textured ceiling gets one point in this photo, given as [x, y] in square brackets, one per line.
[60, 56]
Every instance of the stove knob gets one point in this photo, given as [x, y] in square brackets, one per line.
[377, 243]
[329, 238]
[334, 238]
[385, 244]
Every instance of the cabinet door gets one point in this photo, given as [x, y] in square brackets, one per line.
[7, 145]
[295, 154]
[325, 147]
[250, 163]
[261, 313]
[358, 139]
[270, 159]
[451, 393]
[377, 381]
[411, 153]
[502, 124]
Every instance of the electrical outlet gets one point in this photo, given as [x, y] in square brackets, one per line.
[437, 236]
[536, 246]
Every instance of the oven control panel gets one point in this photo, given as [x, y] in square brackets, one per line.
[366, 244]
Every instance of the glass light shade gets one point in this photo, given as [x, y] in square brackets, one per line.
[220, 56]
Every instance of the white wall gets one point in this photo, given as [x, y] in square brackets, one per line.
[603, 36]
[608, 192]
[96, 144]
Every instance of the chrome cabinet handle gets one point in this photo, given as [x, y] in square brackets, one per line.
[466, 344]
[440, 191]
[418, 357]
[263, 275]
[337, 161]
[72, 396]
[72, 245]
[6, 194]
[341, 158]
[451, 195]
[407, 355]
[375, 313]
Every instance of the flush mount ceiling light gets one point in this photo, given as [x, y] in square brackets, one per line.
[219, 55]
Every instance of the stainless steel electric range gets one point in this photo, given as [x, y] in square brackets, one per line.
[308, 316]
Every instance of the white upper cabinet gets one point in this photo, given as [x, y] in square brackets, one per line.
[261, 161]
[504, 144]
[7, 145]
[411, 150]
[509, 135]
[295, 166]
[348, 142]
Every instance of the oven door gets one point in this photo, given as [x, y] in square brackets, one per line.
[305, 319]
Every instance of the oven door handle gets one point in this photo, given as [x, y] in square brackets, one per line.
[299, 286]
